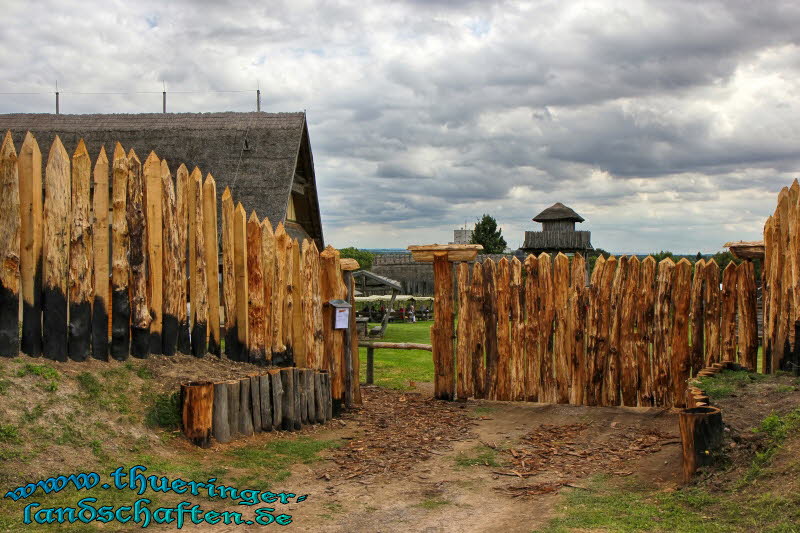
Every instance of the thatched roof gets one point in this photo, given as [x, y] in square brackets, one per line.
[558, 211]
[255, 154]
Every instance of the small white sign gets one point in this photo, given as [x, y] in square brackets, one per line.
[342, 318]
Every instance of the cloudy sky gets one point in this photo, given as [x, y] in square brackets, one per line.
[665, 124]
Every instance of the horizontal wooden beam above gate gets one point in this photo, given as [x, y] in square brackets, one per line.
[746, 249]
[455, 252]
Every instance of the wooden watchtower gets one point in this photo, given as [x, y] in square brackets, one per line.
[558, 232]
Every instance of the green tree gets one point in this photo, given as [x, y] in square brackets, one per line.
[363, 257]
[489, 235]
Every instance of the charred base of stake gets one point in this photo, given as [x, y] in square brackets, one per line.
[80, 330]
[120, 325]
[9, 323]
[99, 330]
[199, 339]
[31, 342]
[54, 325]
[184, 343]
[169, 335]
[155, 342]
[140, 342]
[232, 343]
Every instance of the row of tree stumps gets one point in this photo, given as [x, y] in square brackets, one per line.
[280, 399]
[701, 424]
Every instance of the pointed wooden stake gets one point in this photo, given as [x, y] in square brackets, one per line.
[212, 262]
[30, 187]
[101, 280]
[9, 249]
[155, 249]
[120, 270]
[56, 252]
[81, 292]
[137, 229]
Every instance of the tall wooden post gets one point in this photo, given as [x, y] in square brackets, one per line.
[229, 277]
[212, 262]
[173, 277]
[9, 249]
[443, 330]
[681, 356]
[100, 306]
[30, 198]
[120, 306]
[182, 221]
[241, 277]
[80, 257]
[137, 229]
[155, 249]
[256, 326]
[748, 322]
[350, 376]
[56, 252]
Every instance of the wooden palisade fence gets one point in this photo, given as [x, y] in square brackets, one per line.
[781, 284]
[532, 330]
[100, 261]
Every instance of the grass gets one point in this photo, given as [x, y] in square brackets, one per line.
[776, 429]
[394, 369]
[433, 503]
[728, 382]
[612, 504]
[164, 411]
[269, 463]
[480, 455]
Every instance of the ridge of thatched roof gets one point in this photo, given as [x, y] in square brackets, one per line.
[558, 211]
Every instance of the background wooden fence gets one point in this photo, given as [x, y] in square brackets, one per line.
[781, 284]
[100, 253]
[534, 331]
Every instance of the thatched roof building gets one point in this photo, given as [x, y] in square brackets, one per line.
[265, 158]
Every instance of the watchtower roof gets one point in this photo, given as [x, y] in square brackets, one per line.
[558, 211]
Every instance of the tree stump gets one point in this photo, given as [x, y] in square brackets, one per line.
[276, 387]
[319, 404]
[197, 398]
[245, 413]
[265, 401]
[255, 399]
[233, 406]
[287, 380]
[701, 434]
[221, 428]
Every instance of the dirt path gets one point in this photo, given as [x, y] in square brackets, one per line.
[441, 494]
